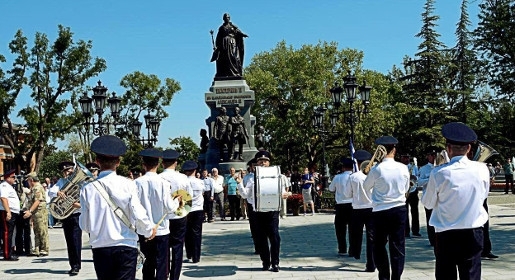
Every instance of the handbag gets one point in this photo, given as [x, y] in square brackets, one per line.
[121, 215]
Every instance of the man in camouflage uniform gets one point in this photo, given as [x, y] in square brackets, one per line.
[39, 214]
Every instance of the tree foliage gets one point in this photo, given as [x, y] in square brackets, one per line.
[290, 82]
[54, 73]
[186, 148]
[495, 42]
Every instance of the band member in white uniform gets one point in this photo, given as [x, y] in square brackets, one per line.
[114, 244]
[389, 182]
[268, 229]
[456, 191]
[422, 183]
[71, 228]
[196, 215]
[177, 221]
[343, 206]
[155, 195]
[9, 212]
[361, 213]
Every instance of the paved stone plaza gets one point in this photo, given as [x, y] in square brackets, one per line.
[308, 252]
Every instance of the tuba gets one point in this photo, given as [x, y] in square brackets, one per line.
[379, 154]
[61, 208]
[483, 152]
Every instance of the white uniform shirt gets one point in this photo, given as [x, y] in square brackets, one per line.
[389, 182]
[155, 195]
[197, 187]
[178, 181]
[219, 183]
[338, 186]
[360, 196]
[209, 185]
[52, 192]
[242, 190]
[424, 175]
[7, 191]
[456, 192]
[100, 221]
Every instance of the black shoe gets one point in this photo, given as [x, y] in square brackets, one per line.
[265, 267]
[12, 259]
[489, 256]
[370, 269]
[275, 268]
[73, 271]
[417, 235]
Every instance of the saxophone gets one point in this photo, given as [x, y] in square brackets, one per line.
[61, 208]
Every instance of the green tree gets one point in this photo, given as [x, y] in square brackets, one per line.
[55, 73]
[495, 42]
[424, 86]
[186, 148]
[290, 82]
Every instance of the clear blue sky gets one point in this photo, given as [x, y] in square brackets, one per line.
[171, 38]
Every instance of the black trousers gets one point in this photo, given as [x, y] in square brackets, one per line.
[157, 257]
[208, 205]
[22, 239]
[487, 244]
[193, 239]
[73, 237]
[115, 263]
[360, 218]
[268, 231]
[412, 205]
[341, 222]
[431, 235]
[253, 225]
[509, 183]
[388, 227]
[234, 207]
[459, 248]
[177, 233]
[7, 232]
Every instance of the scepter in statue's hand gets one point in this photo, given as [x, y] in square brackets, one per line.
[212, 39]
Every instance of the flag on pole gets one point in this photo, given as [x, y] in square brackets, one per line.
[352, 151]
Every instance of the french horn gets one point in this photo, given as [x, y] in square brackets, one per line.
[186, 202]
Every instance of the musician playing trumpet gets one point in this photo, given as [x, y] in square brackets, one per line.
[389, 181]
[71, 228]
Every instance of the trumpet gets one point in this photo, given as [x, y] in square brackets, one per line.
[379, 154]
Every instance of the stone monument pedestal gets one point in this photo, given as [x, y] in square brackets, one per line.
[229, 94]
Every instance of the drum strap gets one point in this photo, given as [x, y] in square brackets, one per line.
[117, 210]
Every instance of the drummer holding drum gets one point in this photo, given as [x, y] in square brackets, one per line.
[265, 192]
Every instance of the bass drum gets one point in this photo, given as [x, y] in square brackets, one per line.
[267, 188]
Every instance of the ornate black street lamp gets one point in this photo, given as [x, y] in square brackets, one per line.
[152, 125]
[352, 115]
[318, 124]
[98, 100]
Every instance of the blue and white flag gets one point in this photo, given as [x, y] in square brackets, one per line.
[352, 151]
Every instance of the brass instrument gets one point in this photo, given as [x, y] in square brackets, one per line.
[483, 152]
[441, 158]
[61, 208]
[413, 183]
[379, 154]
[186, 202]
